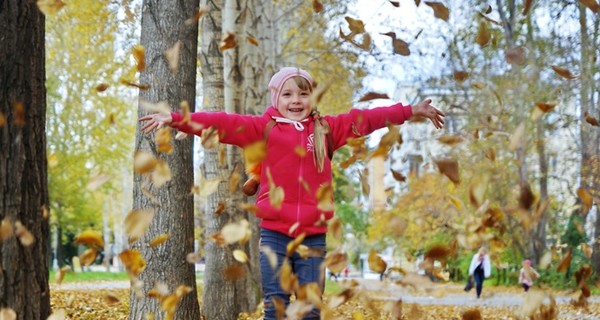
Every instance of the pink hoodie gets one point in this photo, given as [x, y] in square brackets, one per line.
[298, 176]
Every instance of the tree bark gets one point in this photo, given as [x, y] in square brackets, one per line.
[162, 26]
[23, 174]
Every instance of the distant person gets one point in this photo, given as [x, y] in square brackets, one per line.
[346, 272]
[480, 269]
[527, 275]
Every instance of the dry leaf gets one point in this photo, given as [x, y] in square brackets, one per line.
[50, 7]
[376, 263]
[294, 244]
[252, 40]
[90, 238]
[439, 10]
[564, 73]
[545, 260]
[210, 138]
[460, 75]
[356, 26]
[236, 232]
[96, 182]
[483, 34]
[335, 228]
[527, 6]
[227, 42]
[88, 257]
[137, 222]
[159, 240]
[110, 299]
[133, 262]
[336, 261]
[172, 56]
[133, 84]
[60, 274]
[325, 198]
[102, 87]
[59, 314]
[317, 6]
[471, 314]
[591, 120]
[372, 96]
[2, 120]
[400, 47]
[591, 4]
[515, 55]
[240, 256]
[197, 15]
[449, 168]
[139, 54]
[271, 256]
[25, 236]
[450, 140]
[564, 264]
[193, 257]
[398, 176]
[6, 229]
[395, 3]
[18, 110]
[288, 280]
[144, 162]
[517, 138]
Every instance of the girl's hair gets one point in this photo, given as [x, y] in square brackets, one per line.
[320, 149]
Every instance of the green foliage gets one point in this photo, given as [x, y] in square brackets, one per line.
[573, 235]
[90, 276]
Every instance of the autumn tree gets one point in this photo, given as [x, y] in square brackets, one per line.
[23, 185]
[166, 59]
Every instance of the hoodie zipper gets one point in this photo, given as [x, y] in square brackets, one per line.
[300, 176]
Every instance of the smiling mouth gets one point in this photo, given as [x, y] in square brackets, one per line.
[296, 110]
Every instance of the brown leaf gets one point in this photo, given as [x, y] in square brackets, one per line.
[102, 87]
[564, 263]
[18, 109]
[139, 54]
[227, 42]
[2, 120]
[526, 197]
[398, 176]
[336, 261]
[136, 85]
[372, 96]
[137, 222]
[50, 7]
[335, 228]
[234, 272]
[450, 140]
[438, 252]
[395, 3]
[450, 169]
[591, 120]
[400, 47]
[565, 73]
[439, 10]
[471, 314]
[197, 15]
[324, 197]
[158, 240]
[133, 262]
[288, 280]
[252, 40]
[356, 26]
[488, 10]
[483, 34]
[527, 6]
[88, 257]
[546, 106]
[515, 55]
[460, 75]
[591, 4]
[293, 245]
[317, 6]
[376, 263]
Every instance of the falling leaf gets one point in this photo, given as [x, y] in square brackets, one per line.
[564, 73]
[240, 256]
[293, 245]
[546, 106]
[133, 262]
[137, 222]
[25, 236]
[276, 193]
[591, 120]
[515, 55]
[565, 263]
[142, 87]
[97, 181]
[450, 140]
[526, 196]
[483, 34]
[163, 140]
[210, 138]
[336, 261]
[110, 299]
[227, 42]
[587, 200]
[6, 229]
[193, 257]
[356, 26]
[438, 252]
[318, 93]
[172, 56]
[88, 257]
[271, 256]
[102, 87]
[439, 10]
[59, 314]
[144, 162]
[527, 6]
[400, 47]
[18, 110]
[2, 120]
[372, 96]
[471, 314]
[317, 6]
[449, 168]
[335, 228]
[325, 198]
[252, 40]
[161, 174]
[488, 10]
[235, 232]
[376, 263]
[60, 274]
[587, 250]
[139, 54]
[545, 260]
[200, 12]
[398, 176]
[90, 238]
[460, 75]
[287, 279]
[517, 138]
[395, 3]
[591, 4]
[158, 240]
[50, 7]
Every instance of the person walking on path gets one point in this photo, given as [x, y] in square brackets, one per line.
[480, 269]
[527, 275]
[297, 165]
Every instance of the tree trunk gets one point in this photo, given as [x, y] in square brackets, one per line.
[162, 26]
[23, 174]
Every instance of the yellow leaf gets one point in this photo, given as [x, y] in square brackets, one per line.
[240, 256]
[197, 15]
[325, 198]
[97, 181]
[25, 237]
[60, 274]
[193, 257]
[483, 34]
[90, 238]
[133, 262]
[545, 260]
[252, 40]
[376, 263]
[110, 299]
[517, 138]
[293, 245]
[210, 138]
[163, 140]
[6, 229]
[439, 10]
[356, 26]
[139, 54]
[271, 256]
[172, 56]
[564, 264]
[59, 314]
[234, 272]
[161, 174]
[335, 228]
[227, 42]
[159, 240]
[88, 257]
[236, 232]
[288, 280]
[450, 140]
[144, 162]
[50, 7]
[137, 222]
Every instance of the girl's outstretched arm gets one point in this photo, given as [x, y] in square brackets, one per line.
[426, 110]
[155, 121]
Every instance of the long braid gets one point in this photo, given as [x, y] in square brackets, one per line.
[320, 149]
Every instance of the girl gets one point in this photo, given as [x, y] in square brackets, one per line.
[296, 160]
[480, 269]
[527, 275]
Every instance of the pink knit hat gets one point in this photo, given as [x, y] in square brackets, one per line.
[281, 77]
[527, 262]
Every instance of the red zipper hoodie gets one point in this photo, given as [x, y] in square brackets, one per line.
[297, 175]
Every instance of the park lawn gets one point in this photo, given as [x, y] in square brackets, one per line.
[89, 276]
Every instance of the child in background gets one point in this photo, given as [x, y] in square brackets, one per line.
[296, 161]
[527, 275]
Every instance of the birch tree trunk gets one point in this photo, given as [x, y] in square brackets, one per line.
[23, 165]
[162, 27]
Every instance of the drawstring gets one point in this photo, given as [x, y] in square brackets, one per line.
[297, 124]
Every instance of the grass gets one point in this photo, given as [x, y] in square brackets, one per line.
[90, 276]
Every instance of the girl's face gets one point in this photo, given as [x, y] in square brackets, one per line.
[293, 102]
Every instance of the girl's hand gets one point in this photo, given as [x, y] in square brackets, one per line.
[426, 110]
[155, 121]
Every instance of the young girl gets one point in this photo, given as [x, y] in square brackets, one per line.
[296, 160]
[527, 275]
[480, 268]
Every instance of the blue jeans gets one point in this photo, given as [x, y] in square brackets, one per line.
[479, 277]
[307, 270]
